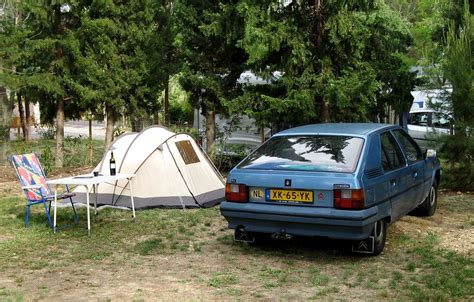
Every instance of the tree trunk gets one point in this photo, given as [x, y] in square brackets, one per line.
[59, 134]
[21, 112]
[27, 119]
[262, 133]
[319, 23]
[324, 112]
[5, 113]
[166, 102]
[109, 129]
[210, 129]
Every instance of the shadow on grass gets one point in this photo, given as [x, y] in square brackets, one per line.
[302, 247]
[65, 217]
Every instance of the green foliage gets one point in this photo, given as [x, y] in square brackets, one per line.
[120, 52]
[180, 109]
[47, 132]
[76, 150]
[47, 159]
[92, 54]
[208, 35]
[458, 149]
[335, 61]
[4, 132]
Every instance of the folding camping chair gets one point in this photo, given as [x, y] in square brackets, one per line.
[33, 182]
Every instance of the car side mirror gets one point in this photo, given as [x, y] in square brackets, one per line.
[430, 153]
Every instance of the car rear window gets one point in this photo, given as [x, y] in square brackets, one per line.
[307, 153]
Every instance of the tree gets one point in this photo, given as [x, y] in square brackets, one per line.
[166, 61]
[37, 58]
[102, 82]
[120, 54]
[458, 69]
[11, 18]
[208, 33]
[334, 57]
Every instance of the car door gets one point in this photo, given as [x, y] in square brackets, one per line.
[416, 184]
[394, 166]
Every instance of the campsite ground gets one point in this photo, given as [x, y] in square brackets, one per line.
[190, 255]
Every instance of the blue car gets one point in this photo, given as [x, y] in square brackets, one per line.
[342, 181]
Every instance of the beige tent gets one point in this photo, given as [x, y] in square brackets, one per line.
[171, 171]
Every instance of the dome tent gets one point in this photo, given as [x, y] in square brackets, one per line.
[171, 172]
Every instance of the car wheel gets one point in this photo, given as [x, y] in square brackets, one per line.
[375, 243]
[428, 207]
[380, 236]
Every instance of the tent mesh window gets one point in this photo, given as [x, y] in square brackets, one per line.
[187, 152]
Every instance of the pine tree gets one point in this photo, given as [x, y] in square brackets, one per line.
[36, 55]
[458, 64]
[335, 58]
[121, 56]
[208, 34]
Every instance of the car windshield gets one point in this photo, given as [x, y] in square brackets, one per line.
[322, 153]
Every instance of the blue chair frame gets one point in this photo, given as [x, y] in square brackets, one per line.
[32, 178]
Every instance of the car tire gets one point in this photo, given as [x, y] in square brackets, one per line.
[428, 207]
[380, 236]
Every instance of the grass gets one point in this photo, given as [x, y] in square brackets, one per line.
[447, 275]
[416, 269]
[190, 255]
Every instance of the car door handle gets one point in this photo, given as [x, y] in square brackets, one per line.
[415, 174]
[393, 182]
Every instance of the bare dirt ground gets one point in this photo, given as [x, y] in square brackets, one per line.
[454, 229]
[224, 272]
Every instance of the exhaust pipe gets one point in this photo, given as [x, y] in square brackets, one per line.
[283, 235]
[241, 234]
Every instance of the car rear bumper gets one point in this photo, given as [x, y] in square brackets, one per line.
[301, 221]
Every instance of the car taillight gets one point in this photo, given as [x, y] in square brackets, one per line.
[236, 193]
[349, 199]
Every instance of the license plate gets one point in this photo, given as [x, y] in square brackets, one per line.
[289, 195]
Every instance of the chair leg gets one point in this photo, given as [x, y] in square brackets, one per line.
[47, 215]
[74, 209]
[27, 215]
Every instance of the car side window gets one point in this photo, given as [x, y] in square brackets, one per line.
[418, 118]
[441, 120]
[392, 157]
[411, 149]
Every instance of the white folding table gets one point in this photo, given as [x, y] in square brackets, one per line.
[90, 182]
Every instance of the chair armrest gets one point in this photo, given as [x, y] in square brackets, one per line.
[31, 187]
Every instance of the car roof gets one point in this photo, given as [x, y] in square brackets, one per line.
[358, 129]
[422, 110]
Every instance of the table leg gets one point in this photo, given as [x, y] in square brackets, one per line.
[88, 213]
[131, 198]
[96, 191]
[55, 201]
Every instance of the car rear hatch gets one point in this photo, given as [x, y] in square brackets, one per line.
[312, 189]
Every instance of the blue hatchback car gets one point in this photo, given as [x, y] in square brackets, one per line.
[343, 181]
